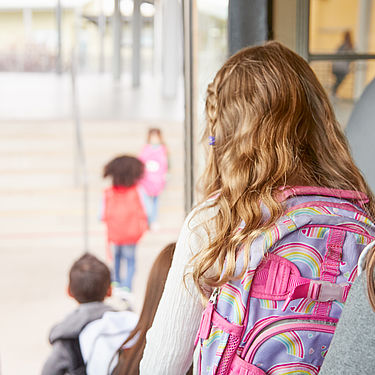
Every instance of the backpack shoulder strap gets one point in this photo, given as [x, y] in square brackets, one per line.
[77, 366]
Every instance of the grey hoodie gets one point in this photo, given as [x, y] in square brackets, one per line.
[352, 348]
[59, 362]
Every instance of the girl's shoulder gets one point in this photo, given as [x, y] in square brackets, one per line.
[354, 337]
[202, 214]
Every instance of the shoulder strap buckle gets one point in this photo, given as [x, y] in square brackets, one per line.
[320, 291]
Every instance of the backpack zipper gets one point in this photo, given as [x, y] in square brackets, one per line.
[286, 325]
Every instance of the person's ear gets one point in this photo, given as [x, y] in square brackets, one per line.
[109, 292]
[69, 291]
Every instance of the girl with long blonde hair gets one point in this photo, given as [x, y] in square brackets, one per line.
[270, 126]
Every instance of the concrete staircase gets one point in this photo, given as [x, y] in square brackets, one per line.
[41, 223]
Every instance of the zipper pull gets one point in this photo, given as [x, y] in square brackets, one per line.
[214, 295]
[205, 326]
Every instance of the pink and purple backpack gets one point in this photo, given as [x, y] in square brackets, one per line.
[279, 318]
[155, 159]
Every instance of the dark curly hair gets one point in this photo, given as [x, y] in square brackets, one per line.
[125, 170]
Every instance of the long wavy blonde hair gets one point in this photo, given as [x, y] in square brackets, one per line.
[273, 126]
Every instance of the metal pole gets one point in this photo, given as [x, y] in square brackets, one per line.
[349, 56]
[189, 77]
[136, 46]
[117, 28]
[101, 26]
[59, 37]
[80, 153]
[302, 32]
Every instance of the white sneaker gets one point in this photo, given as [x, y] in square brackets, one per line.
[123, 293]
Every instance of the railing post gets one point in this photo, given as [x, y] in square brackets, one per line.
[80, 167]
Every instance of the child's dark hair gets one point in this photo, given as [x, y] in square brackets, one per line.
[125, 170]
[89, 279]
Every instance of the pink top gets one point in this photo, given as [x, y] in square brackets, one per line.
[155, 160]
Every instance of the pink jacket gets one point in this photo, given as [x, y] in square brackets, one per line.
[156, 166]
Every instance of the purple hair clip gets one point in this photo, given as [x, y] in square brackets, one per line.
[212, 140]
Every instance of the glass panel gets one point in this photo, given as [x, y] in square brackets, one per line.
[342, 25]
[344, 86]
[44, 171]
[211, 46]
[212, 40]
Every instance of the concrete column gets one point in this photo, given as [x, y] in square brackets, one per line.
[136, 46]
[158, 23]
[117, 33]
[101, 27]
[59, 37]
[171, 46]
[247, 23]
[361, 45]
[27, 20]
[27, 15]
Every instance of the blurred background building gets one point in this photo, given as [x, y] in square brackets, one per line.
[82, 80]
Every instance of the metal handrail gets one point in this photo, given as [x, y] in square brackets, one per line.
[80, 165]
[341, 56]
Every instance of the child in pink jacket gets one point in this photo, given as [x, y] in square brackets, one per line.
[154, 155]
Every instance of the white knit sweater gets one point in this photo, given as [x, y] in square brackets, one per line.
[170, 341]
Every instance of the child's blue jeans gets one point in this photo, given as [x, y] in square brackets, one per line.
[152, 207]
[124, 253]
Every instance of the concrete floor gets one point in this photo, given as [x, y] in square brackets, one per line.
[41, 208]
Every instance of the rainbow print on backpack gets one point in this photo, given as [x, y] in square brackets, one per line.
[281, 316]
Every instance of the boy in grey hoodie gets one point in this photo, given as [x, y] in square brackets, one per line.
[89, 284]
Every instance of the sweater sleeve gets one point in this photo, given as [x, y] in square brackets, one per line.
[352, 347]
[170, 340]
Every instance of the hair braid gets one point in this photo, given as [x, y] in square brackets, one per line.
[211, 108]
[212, 97]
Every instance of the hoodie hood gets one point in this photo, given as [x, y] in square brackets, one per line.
[73, 324]
[100, 339]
